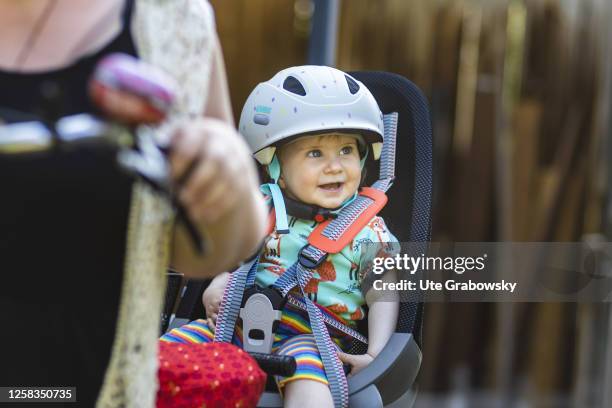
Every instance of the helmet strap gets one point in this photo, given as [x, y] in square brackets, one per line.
[363, 159]
[347, 202]
[282, 225]
[274, 169]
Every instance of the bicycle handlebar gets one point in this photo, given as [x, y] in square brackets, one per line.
[274, 364]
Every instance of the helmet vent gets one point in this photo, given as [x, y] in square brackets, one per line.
[292, 85]
[353, 86]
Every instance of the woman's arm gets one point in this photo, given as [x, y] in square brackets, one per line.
[218, 104]
[221, 195]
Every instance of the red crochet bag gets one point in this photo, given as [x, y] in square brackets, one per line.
[211, 375]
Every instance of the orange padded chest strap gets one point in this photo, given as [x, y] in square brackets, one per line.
[325, 244]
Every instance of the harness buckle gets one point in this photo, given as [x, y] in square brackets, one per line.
[274, 295]
[308, 263]
[260, 313]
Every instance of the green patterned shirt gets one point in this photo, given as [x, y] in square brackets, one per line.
[336, 283]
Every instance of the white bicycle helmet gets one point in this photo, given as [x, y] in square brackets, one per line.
[309, 99]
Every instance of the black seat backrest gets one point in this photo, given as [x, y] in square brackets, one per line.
[408, 211]
[175, 283]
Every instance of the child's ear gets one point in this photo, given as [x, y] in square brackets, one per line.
[281, 182]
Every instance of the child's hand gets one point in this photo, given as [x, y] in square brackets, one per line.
[212, 300]
[356, 361]
[212, 297]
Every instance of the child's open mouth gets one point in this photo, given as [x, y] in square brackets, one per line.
[332, 187]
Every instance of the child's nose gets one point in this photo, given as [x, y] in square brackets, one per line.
[334, 165]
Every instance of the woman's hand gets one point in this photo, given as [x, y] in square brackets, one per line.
[357, 361]
[218, 187]
[212, 167]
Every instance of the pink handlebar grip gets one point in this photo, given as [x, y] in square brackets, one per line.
[132, 91]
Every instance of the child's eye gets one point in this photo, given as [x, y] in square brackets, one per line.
[346, 150]
[314, 153]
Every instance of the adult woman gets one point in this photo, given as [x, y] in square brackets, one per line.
[65, 222]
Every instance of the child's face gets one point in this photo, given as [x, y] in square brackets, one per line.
[323, 170]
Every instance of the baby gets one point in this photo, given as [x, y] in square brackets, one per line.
[312, 128]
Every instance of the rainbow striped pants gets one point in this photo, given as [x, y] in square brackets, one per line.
[292, 338]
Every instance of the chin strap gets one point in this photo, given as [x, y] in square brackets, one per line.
[282, 225]
[363, 159]
[274, 169]
[304, 211]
